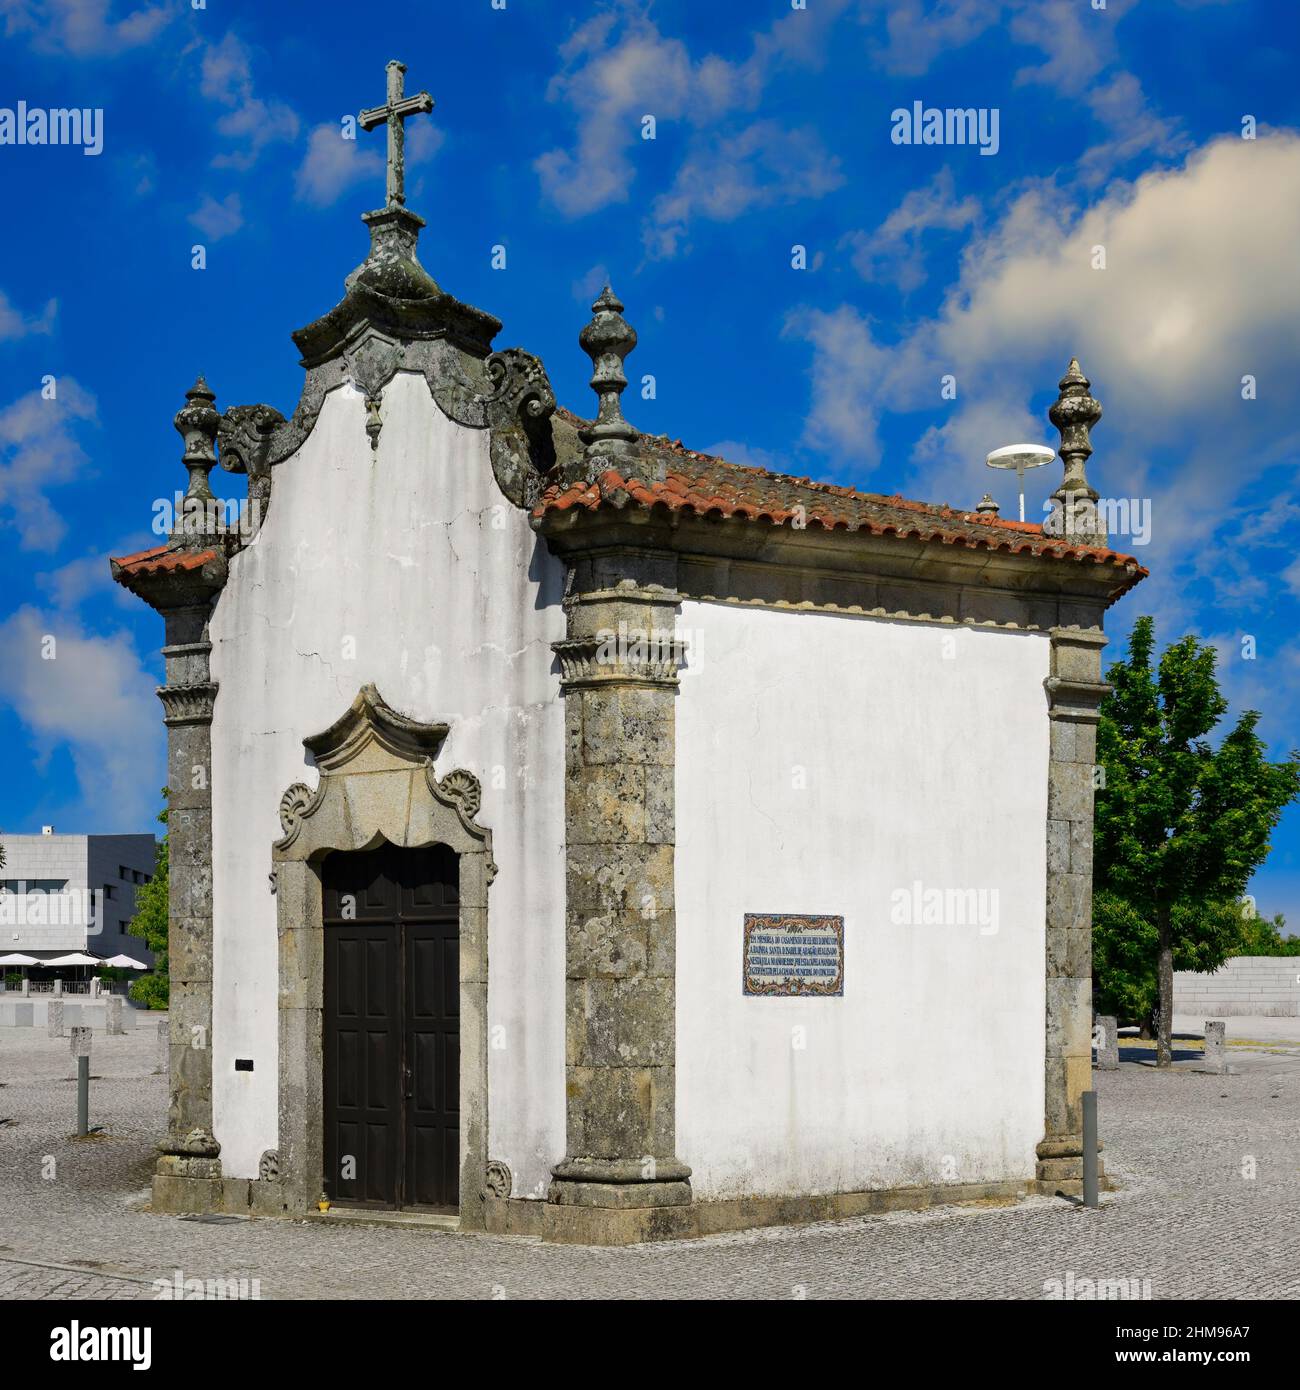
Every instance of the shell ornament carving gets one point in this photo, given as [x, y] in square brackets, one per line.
[292, 804]
[268, 1166]
[463, 788]
[498, 1180]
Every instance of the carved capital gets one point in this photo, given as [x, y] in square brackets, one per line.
[1075, 701]
[188, 704]
[622, 656]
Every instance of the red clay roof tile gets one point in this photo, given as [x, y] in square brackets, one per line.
[710, 486]
[162, 560]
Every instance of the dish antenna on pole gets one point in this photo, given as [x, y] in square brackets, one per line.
[1020, 457]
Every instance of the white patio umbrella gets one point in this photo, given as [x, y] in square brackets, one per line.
[72, 958]
[124, 962]
[17, 958]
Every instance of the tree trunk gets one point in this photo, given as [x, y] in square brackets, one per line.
[1165, 983]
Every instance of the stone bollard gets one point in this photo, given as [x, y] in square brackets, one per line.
[113, 1014]
[1215, 1036]
[54, 1018]
[58, 986]
[94, 988]
[164, 1049]
[1105, 1038]
[27, 986]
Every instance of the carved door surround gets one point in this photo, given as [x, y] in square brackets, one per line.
[377, 783]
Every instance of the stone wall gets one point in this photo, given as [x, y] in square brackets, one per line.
[17, 1011]
[1266, 986]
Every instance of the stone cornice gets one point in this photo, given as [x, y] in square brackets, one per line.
[842, 555]
[187, 577]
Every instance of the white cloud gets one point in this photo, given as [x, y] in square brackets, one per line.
[950, 457]
[846, 369]
[1199, 290]
[1078, 62]
[893, 251]
[14, 325]
[39, 451]
[765, 165]
[218, 219]
[746, 455]
[83, 28]
[617, 68]
[333, 164]
[1199, 286]
[919, 31]
[250, 121]
[586, 287]
[95, 699]
[139, 172]
[89, 576]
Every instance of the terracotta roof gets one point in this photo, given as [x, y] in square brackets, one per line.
[163, 560]
[709, 486]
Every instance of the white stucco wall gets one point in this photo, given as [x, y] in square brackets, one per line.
[915, 767]
[412, 554]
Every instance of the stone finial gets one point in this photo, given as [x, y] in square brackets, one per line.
[607, 340]
[197, 422]
[986, 506]
[1074, 413]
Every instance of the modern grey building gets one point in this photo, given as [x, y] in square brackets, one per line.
[62, 893]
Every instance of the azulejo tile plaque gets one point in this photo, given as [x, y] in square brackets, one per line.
[790, 953]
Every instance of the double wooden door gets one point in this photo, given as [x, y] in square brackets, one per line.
[392, 1028]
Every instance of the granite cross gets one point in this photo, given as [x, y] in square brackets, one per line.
[393, 113]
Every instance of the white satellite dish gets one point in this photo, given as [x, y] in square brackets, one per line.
[1020, 457]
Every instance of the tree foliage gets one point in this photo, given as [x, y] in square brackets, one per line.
[1263, 936]
[1180, 825]
[150, 922]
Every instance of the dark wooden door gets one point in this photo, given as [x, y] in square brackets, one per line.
[392, 1028]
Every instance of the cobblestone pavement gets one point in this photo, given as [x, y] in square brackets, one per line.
[1188, 1217]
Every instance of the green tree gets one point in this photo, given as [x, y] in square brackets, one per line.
[1126, 949]
[1261, 936]
[1180, 825]
[150, 922]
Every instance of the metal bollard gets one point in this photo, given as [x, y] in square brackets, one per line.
[80, 1045]
[1090, 1198]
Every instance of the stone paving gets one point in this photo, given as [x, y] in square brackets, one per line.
[1188, 1218]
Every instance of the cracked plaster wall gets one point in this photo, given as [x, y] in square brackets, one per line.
[451, 604]
[916, 767]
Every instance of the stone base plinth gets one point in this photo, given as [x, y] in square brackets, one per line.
[623, 1196]
[571, 1223]
[185, 1185]
[589, 1225]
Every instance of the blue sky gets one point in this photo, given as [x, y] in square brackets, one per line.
[1119, 127]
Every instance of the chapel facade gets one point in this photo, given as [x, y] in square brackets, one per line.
[576, 835]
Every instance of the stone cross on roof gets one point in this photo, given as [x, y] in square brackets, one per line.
[394, 113]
